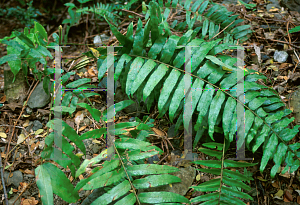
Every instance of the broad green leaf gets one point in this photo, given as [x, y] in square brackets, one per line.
[176, 99]
[205, 100]
[39, 28]
[105, 179]
[79, 82]
[296, 29]
[269, 151]
[113, 194]
[169, 48]
[43, 182]
[134, 144]
[154, 79]
[127, 200]
[44, 51]
[155, 180]
[67, 131]
[157, 46]
[138, 39]
[137, 154]
[235, 183]
[278, 158]
[169, 84]
[24, 39]
[160, 197]
[227, 116]
[87, 162]
[124, 59]
[134, 69]
[143, 169]
[214, 111]
[97, 133]
[61, 184]
[9, 57]
[235, 193]
[142, 74]
[13, 43]
[96, 114]
[117, 107]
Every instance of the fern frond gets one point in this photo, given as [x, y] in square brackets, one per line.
[157, 73]
[226, 187]
[213, 20]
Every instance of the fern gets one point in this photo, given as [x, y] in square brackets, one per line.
[152, 72]
[152, 68]
[226, 187]
[215, 20]
[117, 174]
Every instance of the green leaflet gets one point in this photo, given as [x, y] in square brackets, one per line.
[214, 110]
[154, 79]
[169, 84]
[134, 69]
[142, 74]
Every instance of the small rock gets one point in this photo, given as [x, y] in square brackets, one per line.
[152, 159]
[28, 110]
[280, 56]
[97, 41]
[264, 57]
[12, 200]
[37, 125]
[15, 179]
[39, 98]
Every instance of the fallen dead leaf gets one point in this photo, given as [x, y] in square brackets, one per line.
[30, 201]
[3, 135]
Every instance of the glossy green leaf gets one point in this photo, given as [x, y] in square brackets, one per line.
[61, 184]
[134, 69]
[43, 181]
[24, 39]
[78, 83]
[142, 74]
[159, 197]
[154, 79]
[214, 111]
[155, 180]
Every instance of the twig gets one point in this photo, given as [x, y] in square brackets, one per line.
[297, 62]
[133, 13]
[3, 182]
[21, 193]
[221, 31]
[280, 41]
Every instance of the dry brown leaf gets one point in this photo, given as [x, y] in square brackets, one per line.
[3, 99]
[82, 128]
[30, 201]
[158, 132]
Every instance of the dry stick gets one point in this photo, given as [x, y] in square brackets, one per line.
[133, 13]
[221, 31]
[3, 182]
[21, 193]
[280, 41]
[8, 146]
